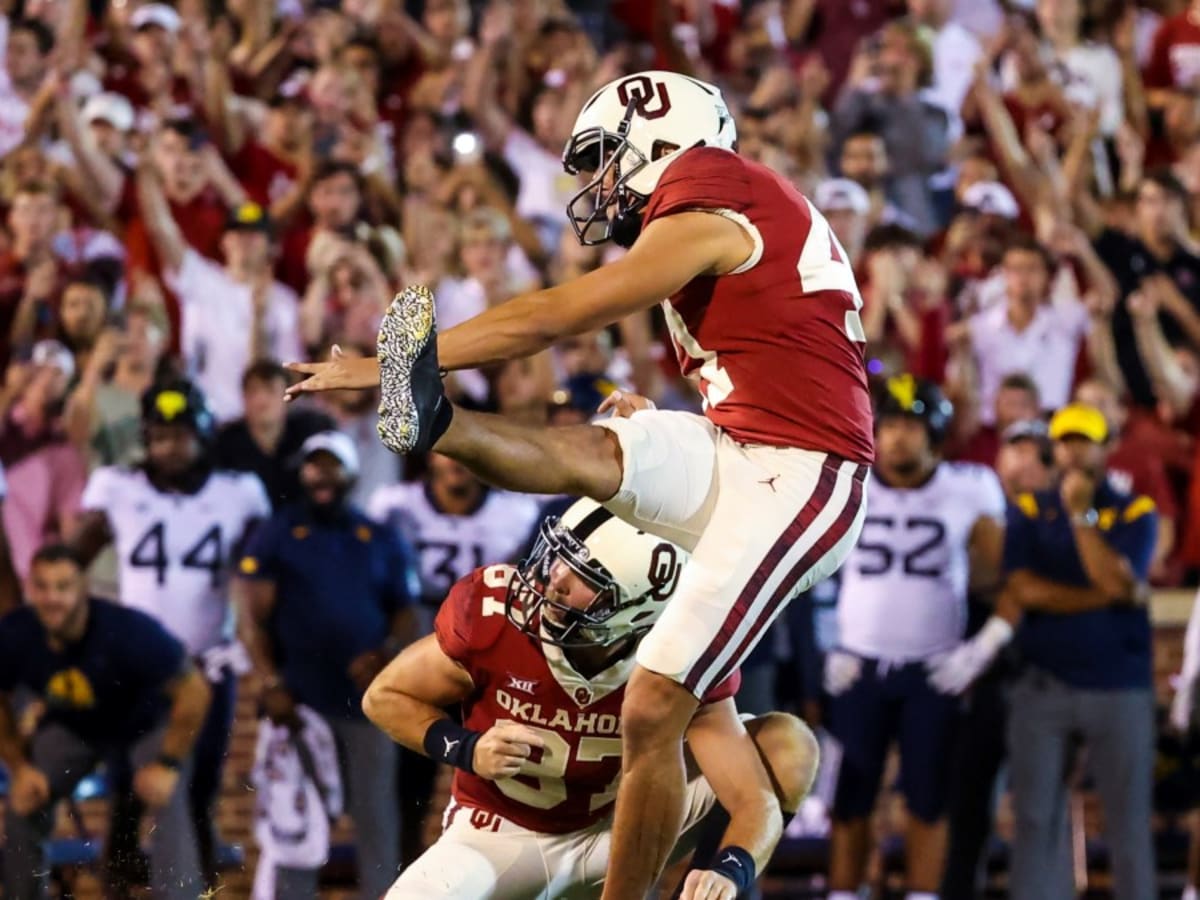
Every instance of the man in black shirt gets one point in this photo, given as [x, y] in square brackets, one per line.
[1155, 258]
[266, 440]
[111, 681]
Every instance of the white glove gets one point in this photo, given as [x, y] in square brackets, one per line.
[953, 672]
[841, 671]
[1183, 705]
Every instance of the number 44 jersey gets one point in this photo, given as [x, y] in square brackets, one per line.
[572, 783]
[175, 549]
[903, 593]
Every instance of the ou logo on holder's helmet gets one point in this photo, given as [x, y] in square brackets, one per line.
[623, 141]
[641, 90]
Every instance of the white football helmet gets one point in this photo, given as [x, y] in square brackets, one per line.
[633, 573]
[631, 126]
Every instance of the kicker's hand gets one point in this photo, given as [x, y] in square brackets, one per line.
[340, 372]
[503, 749]
[624, 404]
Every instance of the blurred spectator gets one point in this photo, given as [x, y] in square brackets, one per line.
[356, 415]
[346, 297]
[882, 93]
[904, 306]
[26, 62]
[175, 522]
[112, 682]
[46, 474]
[82, 315]
[1174, 64]
[1077, 557]
[103, 410]
[1029, 332]
[1133, 468]
[218, 303]
[198, 190]
[536, 153]
[955, 51]
[266, 439]
[30, 273]
[846, 206]
[335, 201]
[326, 600]
[1156, 254]
[1017, 400]
[1024, 460]
[864, 159]
[1091, 72]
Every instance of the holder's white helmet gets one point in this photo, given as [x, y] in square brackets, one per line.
[631, 126]
[633, 573]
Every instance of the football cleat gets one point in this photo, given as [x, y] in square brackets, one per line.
[414, 411]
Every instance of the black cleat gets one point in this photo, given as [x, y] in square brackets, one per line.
[414, 411]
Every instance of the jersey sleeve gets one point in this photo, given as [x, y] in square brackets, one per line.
[403, 586]
[702, 178]
[258, 505]
[989, 494]
[9, 642]
[160, 657]
[723, 691]
[100, 489]
[458, 619]
[1136, 537]
[260, 558]
[379, 504]
[1157, 73]
[1018, 533]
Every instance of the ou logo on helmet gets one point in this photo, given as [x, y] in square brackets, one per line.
[651, 98]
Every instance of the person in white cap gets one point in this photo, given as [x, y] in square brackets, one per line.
[991, 198]
[326, 600]
[45, 473]
[846, 206]
[97, 136]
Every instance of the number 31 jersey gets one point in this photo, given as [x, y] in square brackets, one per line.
[176, 549]
[572, 783]
[904, 586]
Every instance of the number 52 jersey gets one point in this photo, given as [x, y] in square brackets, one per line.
[176, 549]
[904, 586]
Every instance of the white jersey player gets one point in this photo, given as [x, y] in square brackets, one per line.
[931, 528]
[176, 525]
[175, 522]
[455, 523]
[904, 587]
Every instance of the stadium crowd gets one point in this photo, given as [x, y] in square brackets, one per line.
[194, 193]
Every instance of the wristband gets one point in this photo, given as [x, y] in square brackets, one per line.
[174, 763]
[448, 742]
[737, 865]
[995, 634]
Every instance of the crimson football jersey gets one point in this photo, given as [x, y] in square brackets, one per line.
[572, 783]
[777, 345]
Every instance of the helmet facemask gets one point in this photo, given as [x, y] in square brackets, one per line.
[528, 601]
[600, 151]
